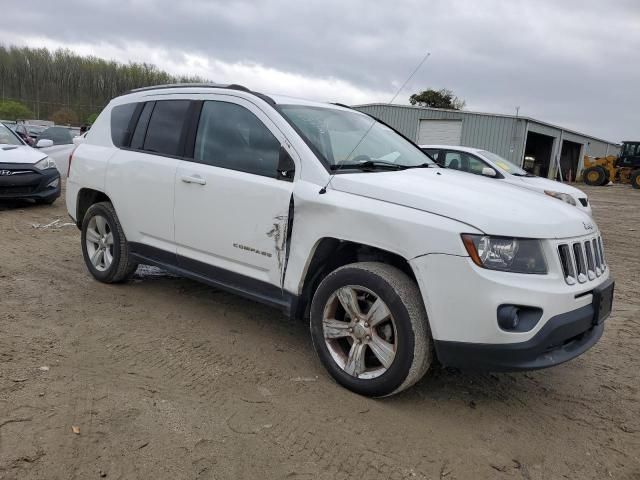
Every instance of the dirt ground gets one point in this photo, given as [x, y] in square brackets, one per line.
[167, 378]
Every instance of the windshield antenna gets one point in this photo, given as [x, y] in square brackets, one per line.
[415, 70]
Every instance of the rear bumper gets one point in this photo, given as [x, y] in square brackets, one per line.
[562, 338]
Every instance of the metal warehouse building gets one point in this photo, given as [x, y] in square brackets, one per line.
[536, 146]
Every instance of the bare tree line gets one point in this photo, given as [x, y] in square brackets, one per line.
[47, 81]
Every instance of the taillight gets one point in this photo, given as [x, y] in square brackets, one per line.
[70, 159]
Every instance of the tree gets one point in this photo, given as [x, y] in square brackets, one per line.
[437, 99]
[92, 118]
[10, 110]
[48, 81]
[64, 116]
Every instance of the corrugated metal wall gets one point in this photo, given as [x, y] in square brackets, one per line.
[503, 135]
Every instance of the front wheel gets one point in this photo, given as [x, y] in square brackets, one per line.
[370, 329]
[635, 179]
[104, 245]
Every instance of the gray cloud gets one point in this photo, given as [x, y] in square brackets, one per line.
[574, 63]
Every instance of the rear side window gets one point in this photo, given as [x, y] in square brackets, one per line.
[230, 136]
[120, 121]
[141, 128]
[164, 133]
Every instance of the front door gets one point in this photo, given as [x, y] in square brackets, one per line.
[231, 210]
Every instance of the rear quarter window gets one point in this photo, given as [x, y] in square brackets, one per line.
[120, 123]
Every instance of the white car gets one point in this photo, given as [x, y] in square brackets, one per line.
[483, 162]
[26, 173]
[62, 145]
[330, 215]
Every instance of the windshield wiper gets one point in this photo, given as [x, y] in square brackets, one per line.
[522, 175]
[369, 165]
[423, 165]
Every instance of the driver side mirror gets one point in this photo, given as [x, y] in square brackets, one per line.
[286, 167]
[488, 172]
[44, 143]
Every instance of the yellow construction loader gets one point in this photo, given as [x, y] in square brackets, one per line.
[622, 169]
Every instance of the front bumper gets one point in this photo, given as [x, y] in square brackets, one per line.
[27, 182]
[562, 338]
[463, 300]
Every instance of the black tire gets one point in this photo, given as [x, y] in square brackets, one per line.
[635, 179]
[413, 353]
[122, 267]
[594, 176]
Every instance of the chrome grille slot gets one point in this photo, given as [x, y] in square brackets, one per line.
[596, 255]
[582, 261]
[581, 266]
[591, 262]
[567, 264]
[601, 250]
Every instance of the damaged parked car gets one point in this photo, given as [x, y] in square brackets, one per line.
[332, 216]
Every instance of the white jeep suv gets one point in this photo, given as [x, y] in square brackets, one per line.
[331, 215]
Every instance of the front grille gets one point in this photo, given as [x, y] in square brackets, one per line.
[582, 261]
[18, 190]
[584, 201]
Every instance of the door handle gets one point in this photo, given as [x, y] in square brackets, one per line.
[193, 179]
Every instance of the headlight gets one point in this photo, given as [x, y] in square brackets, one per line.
[517, 255]
[45, 163]
[565, 197]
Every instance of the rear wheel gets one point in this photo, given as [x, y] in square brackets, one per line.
[595, 176]
[635, 179]
[104, 246]
[370, 329]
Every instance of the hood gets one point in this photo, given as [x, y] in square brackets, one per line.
[495, 208]
[19, 154]
[541, 184]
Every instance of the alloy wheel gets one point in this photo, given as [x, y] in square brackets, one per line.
[359, 332]
[99, 242]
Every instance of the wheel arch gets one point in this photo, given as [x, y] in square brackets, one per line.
[331, 253]
[86, 198]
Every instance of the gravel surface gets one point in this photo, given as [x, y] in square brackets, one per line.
[166, 378]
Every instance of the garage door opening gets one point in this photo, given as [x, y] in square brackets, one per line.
[537, 154]
[439, 132]
[569, 160]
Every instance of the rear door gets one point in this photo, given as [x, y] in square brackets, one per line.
[141, 175]
[231, 205]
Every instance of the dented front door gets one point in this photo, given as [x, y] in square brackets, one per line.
[228, 214]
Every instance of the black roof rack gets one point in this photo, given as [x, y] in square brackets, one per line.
[232, 86]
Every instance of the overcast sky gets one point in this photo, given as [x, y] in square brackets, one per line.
[575, 63]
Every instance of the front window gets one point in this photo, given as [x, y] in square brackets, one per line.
[7, 137]
[349, 139]
[504, 164]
